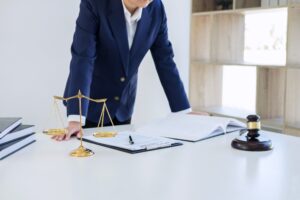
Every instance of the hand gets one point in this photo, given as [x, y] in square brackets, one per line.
[199, 113]
[72, 129]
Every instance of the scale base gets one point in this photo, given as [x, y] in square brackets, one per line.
[81, 152]
[246, 144]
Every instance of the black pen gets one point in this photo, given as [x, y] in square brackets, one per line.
[131, 140]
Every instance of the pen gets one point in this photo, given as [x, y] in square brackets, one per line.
[131, 140]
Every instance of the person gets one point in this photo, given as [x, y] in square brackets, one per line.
[110, 41]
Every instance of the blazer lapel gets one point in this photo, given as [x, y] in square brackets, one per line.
[118, 25]
[141, 33]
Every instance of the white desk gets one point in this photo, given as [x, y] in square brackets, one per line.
[205, 170]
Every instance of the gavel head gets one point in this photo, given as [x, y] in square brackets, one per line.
[253, 118]
[253, 125]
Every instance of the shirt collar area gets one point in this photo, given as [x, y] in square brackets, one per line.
[132, 18]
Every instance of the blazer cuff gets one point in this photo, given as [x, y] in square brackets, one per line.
[76, 118]
[186, 111]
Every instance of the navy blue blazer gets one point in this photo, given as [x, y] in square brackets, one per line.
[102, 65]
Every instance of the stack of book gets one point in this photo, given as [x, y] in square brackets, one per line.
[14, 136]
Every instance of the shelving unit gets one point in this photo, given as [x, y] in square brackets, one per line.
[212, 5]
[217, 39]
[248, 4]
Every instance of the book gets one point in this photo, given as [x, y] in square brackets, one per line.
[8, 124]
[20, 131]
[130, 142]
[189, 127]
[12, 147]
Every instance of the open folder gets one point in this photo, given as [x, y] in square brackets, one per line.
[136, 144]
[189, 127]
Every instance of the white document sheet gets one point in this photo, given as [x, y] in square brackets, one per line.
[141, 142]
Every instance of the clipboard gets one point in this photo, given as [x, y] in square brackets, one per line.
[142, 143]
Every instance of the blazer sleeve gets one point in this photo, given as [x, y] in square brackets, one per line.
[83, 56]
[163, 56]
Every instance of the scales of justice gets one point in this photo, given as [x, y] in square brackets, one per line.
[81, 151]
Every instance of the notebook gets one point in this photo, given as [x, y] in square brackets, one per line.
[141, 143]
[14, 146]
[20, 131]
[8, 124]
[190, 127]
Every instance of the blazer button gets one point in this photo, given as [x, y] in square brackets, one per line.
[122, 79]
[117, 98]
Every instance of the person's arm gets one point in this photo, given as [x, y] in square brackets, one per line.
[163, 56]
[82, 64]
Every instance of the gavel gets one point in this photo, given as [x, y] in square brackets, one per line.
[253, 140]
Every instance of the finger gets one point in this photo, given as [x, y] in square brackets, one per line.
[54, 137]
[60, 137]
[78, 135]
[57, 138]
[68, 136]
[64, 137]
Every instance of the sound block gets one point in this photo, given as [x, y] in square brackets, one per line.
[252, 144]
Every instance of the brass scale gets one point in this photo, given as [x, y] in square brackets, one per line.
[81, 151]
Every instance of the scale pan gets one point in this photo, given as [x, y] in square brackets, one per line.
[55, 132]
[106, 134]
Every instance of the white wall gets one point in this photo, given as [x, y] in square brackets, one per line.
[151, 100]
[35, 39]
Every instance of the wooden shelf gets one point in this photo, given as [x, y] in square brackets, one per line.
[292, 131]
[293, 41]
[292, 101]
[206, 89]
[248, 4]
[270, 91]
[275, 125]
[218, 39]
[294, 2]
[272, 66]
[242, 10]
[260, 10]
[207, 7]
[214, 38]
[216, 12]
[224, 112]
[212, 5]
[242, 4]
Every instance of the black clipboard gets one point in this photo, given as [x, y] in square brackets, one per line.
[175, 144]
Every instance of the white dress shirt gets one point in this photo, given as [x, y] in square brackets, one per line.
[131, 22]
[131, 25]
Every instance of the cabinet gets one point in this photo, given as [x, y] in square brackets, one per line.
[218, 39]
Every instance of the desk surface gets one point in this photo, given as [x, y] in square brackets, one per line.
[206, 170]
